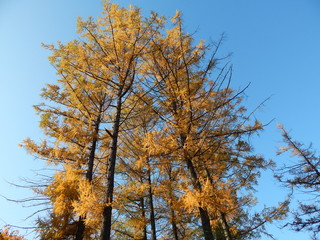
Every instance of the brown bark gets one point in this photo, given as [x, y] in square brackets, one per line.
[172, 212]
[152, 215]
[143, 213]
[204, 215]
[222, 216]
[80, 228]
[89, 174]
[225, 227]
[173, 224]
[107, 210]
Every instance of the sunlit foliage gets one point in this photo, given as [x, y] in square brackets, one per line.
[147, 137]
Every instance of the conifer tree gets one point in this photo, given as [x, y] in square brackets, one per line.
[302, 174]
[135, 166]
[121, 37]
[72, 119]
[204, 124]
[145, 132]
[98, 75]
[7, 234]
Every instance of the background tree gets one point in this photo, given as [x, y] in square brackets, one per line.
[302, 174]
[7, 234]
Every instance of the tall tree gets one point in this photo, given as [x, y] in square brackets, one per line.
[119, 38]
[135, 164]
[204, 124]
[153, 111]
[72, 119]
[98, 75]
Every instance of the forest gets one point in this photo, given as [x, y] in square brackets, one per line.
[148, 140]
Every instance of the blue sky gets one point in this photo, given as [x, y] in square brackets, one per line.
[275, 46]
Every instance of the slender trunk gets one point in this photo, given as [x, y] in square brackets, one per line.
[172, 212]
[204, 215]
[173, 223]
[80, 228]
[222, 216]
[143, 218]
[206, 227]
[225, 226]
[107, 210]
[89, 174]
[152, 215]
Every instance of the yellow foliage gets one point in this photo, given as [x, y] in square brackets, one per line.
[7, 234]
[179, 126]
[64, 190]
[89, 203]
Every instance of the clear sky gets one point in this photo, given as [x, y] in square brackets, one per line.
[275, 46]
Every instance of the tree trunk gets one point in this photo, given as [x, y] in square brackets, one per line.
[143, 217]
[107, 210]
[173, 224]
[172, 212]
[204, 215]
[225, 227]
[152, 215]
[89, 174]
[222, 216]
[80, 228]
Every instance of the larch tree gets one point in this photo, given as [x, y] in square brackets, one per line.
[7, 234]
[205, 126]
[147, 137]
[88, 108]
[121, 37]
[73, 118]
[174, 63]
[134, 171]
[302, 174]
